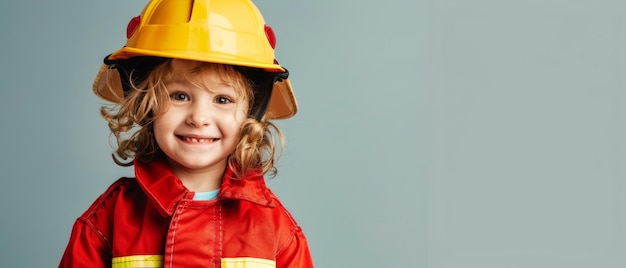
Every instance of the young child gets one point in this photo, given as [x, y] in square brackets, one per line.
[193, 88]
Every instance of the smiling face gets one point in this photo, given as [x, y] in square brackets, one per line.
[201, 127]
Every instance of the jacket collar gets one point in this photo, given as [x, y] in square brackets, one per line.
[164, 189]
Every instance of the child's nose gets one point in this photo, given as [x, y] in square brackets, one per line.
[200, 115]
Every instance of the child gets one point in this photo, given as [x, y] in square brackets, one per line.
[194, 87]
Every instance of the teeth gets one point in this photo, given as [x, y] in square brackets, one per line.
[189, 139]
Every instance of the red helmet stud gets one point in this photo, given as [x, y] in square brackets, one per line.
[133, 24]
[271, 37]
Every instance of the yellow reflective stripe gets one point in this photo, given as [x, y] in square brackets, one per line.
[138, 261]
[247, 262]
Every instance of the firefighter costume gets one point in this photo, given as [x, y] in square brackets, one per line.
[152, 220]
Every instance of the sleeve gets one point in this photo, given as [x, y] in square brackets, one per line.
[89, 244]
[295, 253]
[87, 247]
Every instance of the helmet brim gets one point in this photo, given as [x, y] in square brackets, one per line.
[108, 86]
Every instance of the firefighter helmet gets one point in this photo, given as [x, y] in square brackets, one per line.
[221, 31]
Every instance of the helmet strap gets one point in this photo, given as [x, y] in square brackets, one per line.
[262, 83]
[134, 71]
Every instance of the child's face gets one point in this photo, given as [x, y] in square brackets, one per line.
[201, 127]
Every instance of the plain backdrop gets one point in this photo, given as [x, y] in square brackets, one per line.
[431, 133]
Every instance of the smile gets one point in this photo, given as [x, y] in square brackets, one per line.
[197, 140]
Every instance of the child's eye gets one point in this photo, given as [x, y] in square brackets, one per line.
[179, 96]
[223, 100]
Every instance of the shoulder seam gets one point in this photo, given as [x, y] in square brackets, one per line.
[86, 217]
[115, 187]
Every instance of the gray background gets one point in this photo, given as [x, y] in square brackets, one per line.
[441, 134]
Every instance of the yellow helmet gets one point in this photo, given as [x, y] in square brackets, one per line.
[221, 31]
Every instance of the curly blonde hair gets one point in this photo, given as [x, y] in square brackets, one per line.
[131, 121]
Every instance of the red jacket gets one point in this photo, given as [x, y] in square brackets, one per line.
[152, 221]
